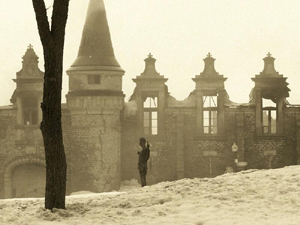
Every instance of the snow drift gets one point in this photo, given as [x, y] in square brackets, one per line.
[250, 197]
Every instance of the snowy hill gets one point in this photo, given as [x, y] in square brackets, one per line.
[247, 198]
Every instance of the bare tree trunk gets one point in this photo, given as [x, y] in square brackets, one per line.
[53, 44]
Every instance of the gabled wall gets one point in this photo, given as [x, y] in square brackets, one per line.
[182, 151]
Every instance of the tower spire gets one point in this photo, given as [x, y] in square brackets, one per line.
[96, 50]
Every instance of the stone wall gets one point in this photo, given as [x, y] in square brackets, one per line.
[93, 146]
[162, 163]
[102, 148]
[205, 155]
[109, 80]
[290, 153]
[30, 86]
[19, 144]
[180, 150]
[7, 140]
[129, 148]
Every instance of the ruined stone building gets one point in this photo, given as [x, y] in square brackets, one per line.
[190, 138]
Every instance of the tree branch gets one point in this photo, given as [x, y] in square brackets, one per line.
[42, 21]
[50, 5]
[59, 20]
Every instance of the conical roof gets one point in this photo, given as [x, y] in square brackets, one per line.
[96, 50]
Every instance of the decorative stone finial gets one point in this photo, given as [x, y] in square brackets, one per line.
[150, 66]
[30, 55]
[269, 68]
[209, 67]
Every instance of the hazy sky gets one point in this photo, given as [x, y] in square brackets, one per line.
[179, 34]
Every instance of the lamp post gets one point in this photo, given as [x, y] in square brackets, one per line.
[235, 148]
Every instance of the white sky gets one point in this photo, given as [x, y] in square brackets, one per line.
[178, 33]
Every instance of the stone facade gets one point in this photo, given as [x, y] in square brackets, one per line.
[196, 137]
[182, 148]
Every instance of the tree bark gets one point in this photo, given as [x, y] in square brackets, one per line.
[53, 45]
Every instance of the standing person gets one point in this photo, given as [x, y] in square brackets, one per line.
[144, 155]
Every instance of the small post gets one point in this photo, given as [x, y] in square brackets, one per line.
[235, 148]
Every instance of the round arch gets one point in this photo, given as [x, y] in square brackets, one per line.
[11, 166]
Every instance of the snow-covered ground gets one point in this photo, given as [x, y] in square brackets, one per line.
[247, 198]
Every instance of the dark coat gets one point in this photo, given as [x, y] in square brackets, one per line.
[144, 155]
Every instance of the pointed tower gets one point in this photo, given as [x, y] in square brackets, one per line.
[95, 68]
[270, 92]
[96, 50]
[211, 93]
[95, 101]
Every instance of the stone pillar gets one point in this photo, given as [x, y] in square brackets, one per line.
[258, 116]
[40, 113]
[221, 112]
[298, 138]
[19, 111]
[199, 113]
[161, 113]
[209, 157]
[280, 106]
[180, 145]
[269, 157]
[7, 186]
[240, 136]
[140, 122]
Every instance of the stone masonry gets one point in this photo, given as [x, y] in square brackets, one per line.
[204, 135]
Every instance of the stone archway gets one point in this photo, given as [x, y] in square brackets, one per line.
[28, 169]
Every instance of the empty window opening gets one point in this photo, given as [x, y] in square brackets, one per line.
[210, 101]
[94, 79]
[269, 117]
[210, 115]
[150, 116]
[150, 102]
[30, 111]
